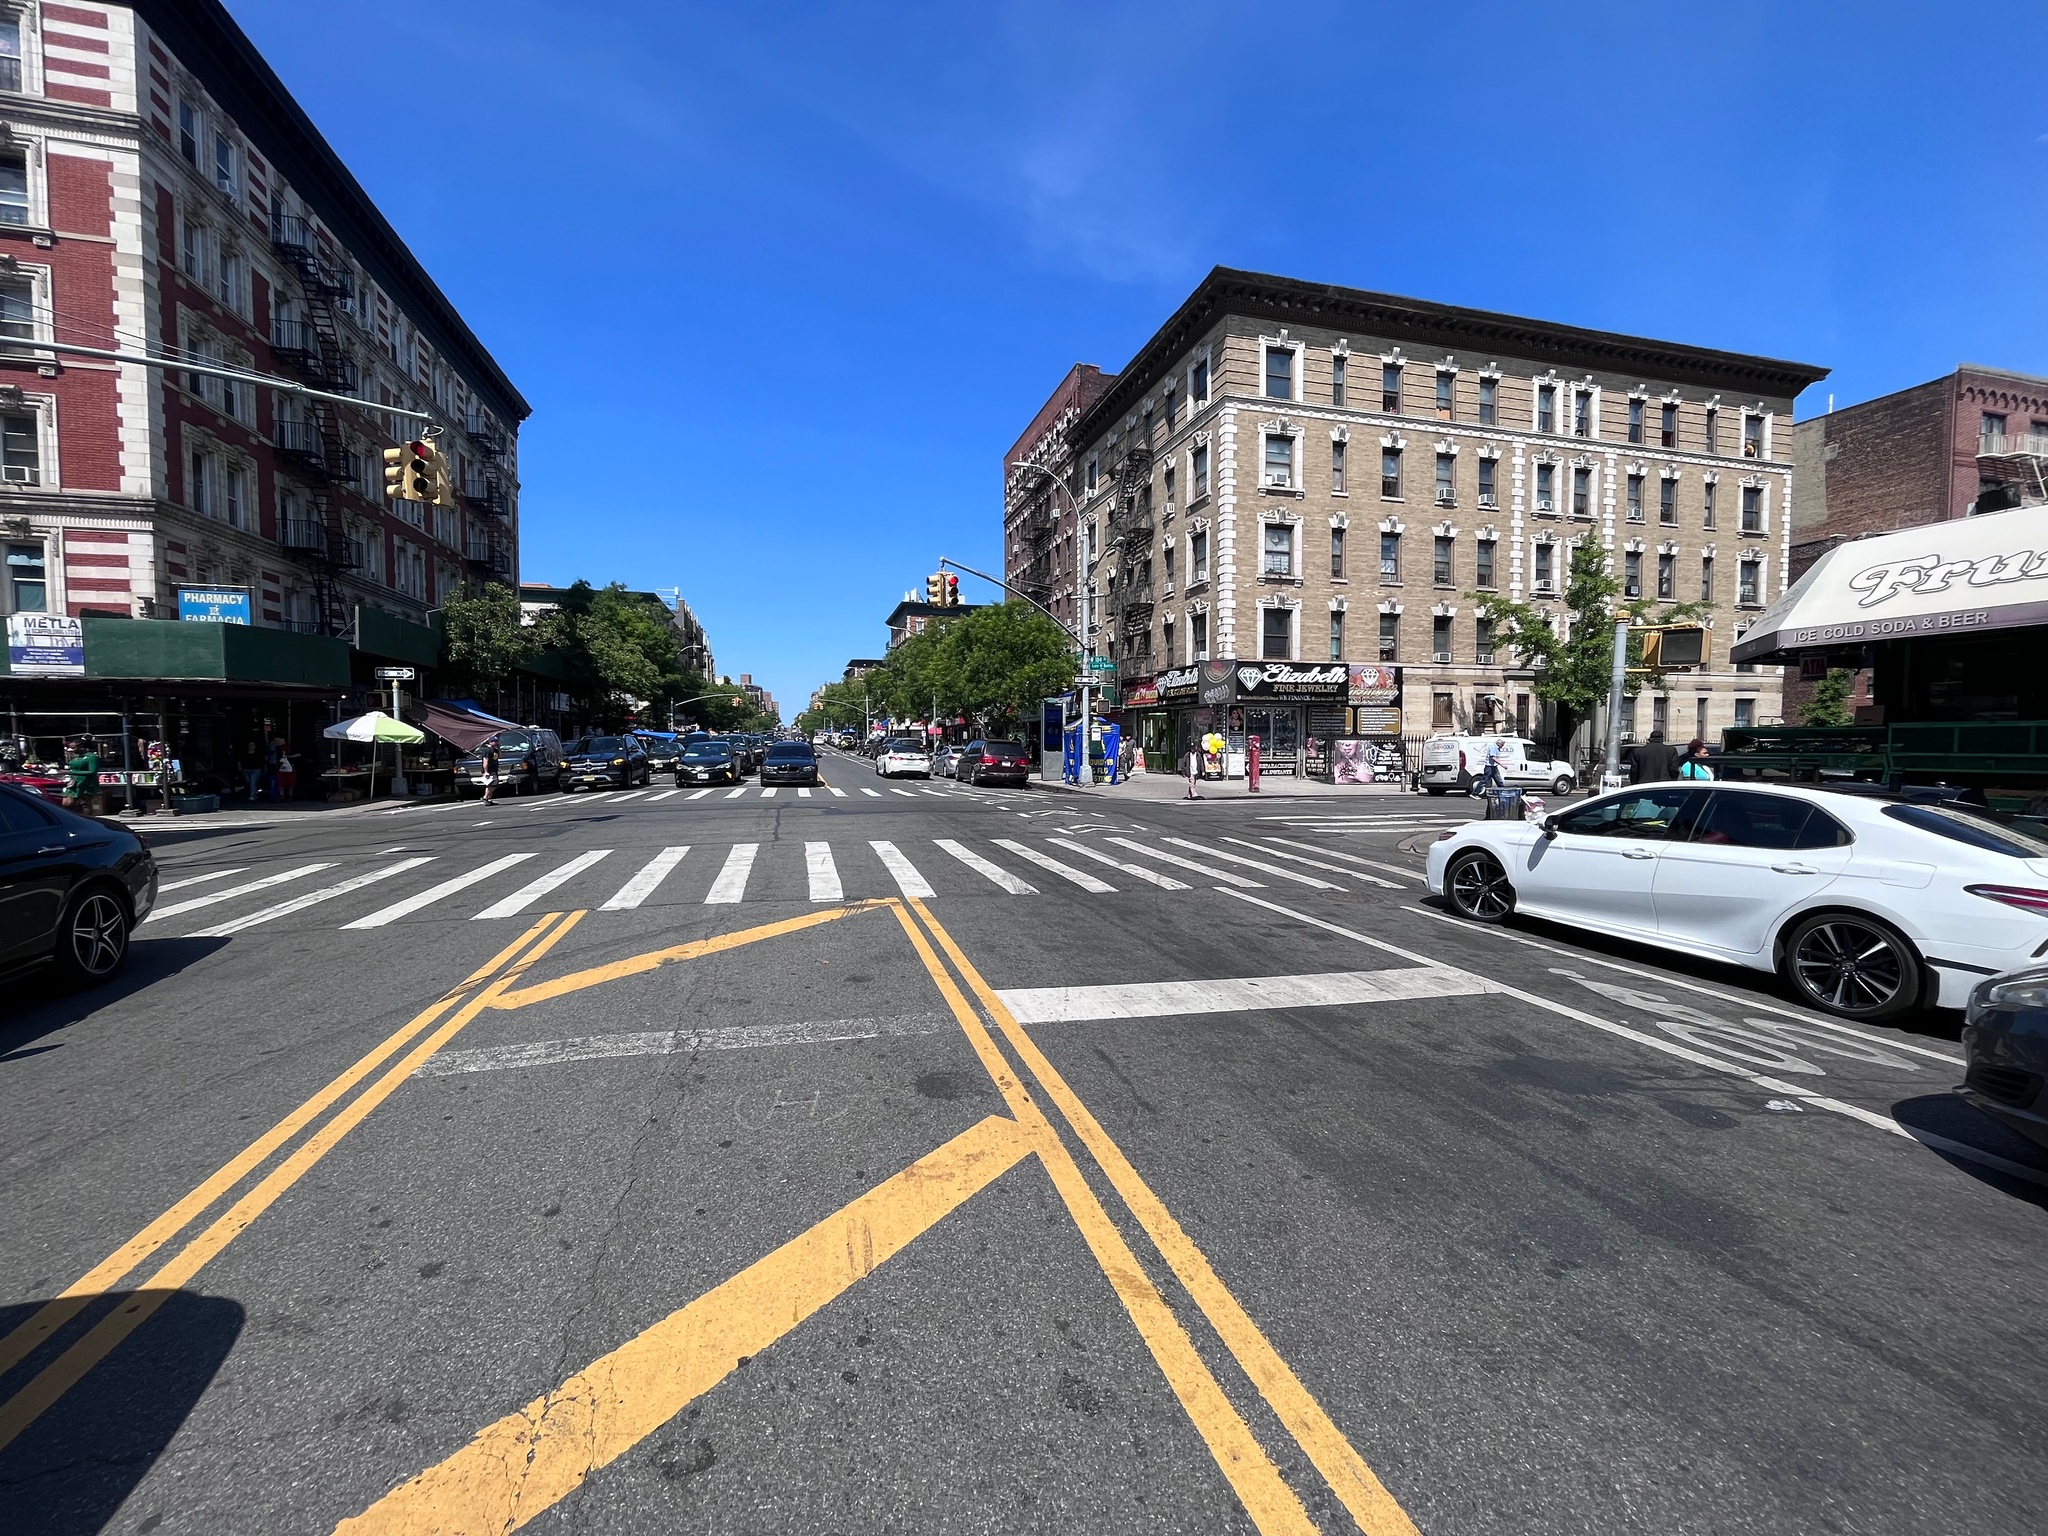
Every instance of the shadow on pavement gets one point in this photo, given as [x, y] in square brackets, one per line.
[36, 1003]
[1954, 1119]
[72, 1469]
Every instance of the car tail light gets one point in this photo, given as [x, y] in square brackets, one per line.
[2026, 897]
[987, 761]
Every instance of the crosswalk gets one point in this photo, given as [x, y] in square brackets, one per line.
[426, 886]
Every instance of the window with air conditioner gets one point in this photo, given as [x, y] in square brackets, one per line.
[1546, 487]
[1635, 498]
[1667, 576]
[1390, 557]
[1279, 549]
[1279, 461]
[1482, 641]
[1198, 556]
[1440, 638]
[1198, 636]
[1446, 469]
[1488, 468]
[1545, 569]
[1390, 472]
[1632, 574]
[224, 165]
[21, 451]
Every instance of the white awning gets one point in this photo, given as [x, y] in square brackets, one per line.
[1960, 577]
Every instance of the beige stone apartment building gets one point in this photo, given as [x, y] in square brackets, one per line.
[1296, 472]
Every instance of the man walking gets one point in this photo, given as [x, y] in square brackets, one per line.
[488, 759]
[1489, 776]
[1656, 760]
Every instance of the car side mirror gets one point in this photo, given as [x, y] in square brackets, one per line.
[1548, 826]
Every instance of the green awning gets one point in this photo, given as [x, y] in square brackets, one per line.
[167, 650]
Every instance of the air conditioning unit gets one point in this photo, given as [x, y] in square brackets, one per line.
[1542, 585]
[1440, 657]
[1279, 479]
[1488, 499]
[1446, 497]
[1484, 658]
[1545, 503]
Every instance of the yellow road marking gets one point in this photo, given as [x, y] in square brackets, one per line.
[104, 1275]
[637, 965]
[1266, 1497]
[1363, 1494]
[530, 1460]
[63, 1373]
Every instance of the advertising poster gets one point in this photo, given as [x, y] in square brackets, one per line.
[45, 645]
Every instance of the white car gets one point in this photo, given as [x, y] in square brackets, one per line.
[903, 756]
[1870, 906]
[1456, 762]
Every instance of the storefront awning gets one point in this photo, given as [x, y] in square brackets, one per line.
[1961, 577]
[464, 729]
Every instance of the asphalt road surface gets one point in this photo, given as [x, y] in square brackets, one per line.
[910, 1158]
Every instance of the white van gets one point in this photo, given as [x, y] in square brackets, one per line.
[1456, 762]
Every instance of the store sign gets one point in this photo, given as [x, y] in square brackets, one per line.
[213, 605]
[1375, 685]
[1289, 680]
[1178, 685]
[1139, 694]
[45, 645]
[1217, 683]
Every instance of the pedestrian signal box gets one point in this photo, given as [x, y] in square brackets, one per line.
[1675, 645]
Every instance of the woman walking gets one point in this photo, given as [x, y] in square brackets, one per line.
[1694, 764]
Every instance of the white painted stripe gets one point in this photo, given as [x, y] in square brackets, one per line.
[768, 793]
[823, 872]
[434, 893]
[1352, 858]
[664, 795]
[908, 880]
[1082, 878]
[1173, 858]
[873, 793]
[981, 866]
[633, 795]
[533, 890]
[1164, 882]
[1295, 858]
[1268, 869]
[663, 1042]
[1244, 994]
[698, 794]
[803, 794]
[940, 793]
[734, 794]
[179, 885]
[731, 884]
[906, 794]
[837, 791]
[591, 799]
[310, 899]
[212, 897]
[643, 885]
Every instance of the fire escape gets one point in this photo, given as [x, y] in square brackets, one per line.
[485, 492]
[1036, 527]
[314, 443]
[1130, 541]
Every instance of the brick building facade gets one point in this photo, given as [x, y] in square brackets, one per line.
[162, 194]
[1041, 491]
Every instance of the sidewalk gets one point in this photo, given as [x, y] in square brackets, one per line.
[1164, 786]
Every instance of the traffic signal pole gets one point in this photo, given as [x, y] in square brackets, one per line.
[1617, 683]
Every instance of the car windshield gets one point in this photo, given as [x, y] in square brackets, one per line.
[708, 749]
[594, 744]
[905, 746]
[790, 751]
[514, 741]
[2015, 839]
[1002, 746]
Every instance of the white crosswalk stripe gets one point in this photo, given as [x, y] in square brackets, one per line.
[178, 885]
[1173, 858]
[1082, 878]
[644, 884]
[214, 898]
[665, 794]
[1295, 858]
[1348, 858]
[699, 794]
[1164, 882]
[731, 884]
[734, 794]
[875, 793]
[906, 794]
[533, 890]
[1263, 868]
[634, 795]
[413, 903]
[837, 792]
[908, 880]
[768, 793]
[310, 899]
[981, 866]
[803, 794]
[824, 874]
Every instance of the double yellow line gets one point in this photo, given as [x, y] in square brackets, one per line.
[439, 1022]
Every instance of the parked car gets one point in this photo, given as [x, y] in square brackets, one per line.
[995, 762]
[1868, 906]
[616, 762]
[945, 760]
[529, 760]
[1456, 762]
[710, 761]
[903, 755]
[663, 750]
[72, 888]
[789, 762]
[2005, 1050]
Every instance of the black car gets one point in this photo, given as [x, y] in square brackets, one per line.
[663, 752]
[2005, 1050]
[529, 761]
[616, 762]
[72, 888]
[710, 761]
[994, 762]
[789, 762]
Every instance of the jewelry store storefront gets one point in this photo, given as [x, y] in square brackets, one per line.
[1285, 704]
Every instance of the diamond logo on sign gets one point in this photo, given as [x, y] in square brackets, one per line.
[1249, 676]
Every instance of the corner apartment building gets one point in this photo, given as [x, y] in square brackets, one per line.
[161, 193]
[1296, 472]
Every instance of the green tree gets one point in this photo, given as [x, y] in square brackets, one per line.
[998, 662]
[483, 637]
[1830, 702]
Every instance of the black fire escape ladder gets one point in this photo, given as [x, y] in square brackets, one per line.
[1130, 536]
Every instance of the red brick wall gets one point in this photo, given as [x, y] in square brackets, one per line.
[1888, 462]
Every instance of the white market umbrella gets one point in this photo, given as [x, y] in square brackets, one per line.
[374, 727]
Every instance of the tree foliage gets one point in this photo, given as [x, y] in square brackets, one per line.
[1830, 702]
[483, 637]
[992, 665]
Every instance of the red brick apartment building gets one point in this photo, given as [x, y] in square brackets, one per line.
[161, 193]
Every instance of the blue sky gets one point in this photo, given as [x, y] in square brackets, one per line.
[783, 281]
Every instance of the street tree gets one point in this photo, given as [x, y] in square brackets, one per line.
[1829, 705]
[484, 639]
[998, 662]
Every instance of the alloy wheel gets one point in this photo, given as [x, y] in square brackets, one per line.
[1849, 966]
[99, 935]
[1480, 888]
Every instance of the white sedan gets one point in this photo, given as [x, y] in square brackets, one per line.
[1869, 905]
[903, 757]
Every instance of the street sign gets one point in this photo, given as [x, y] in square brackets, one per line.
[213, 605]
[395, 674]
[1101, 664]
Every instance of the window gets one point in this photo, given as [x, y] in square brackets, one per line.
[1442, 712]
[1546, 487]
[1279, 549]
[227, 280]
[1713, 430]
[1991, 429]
[1172, 406]
[1446, 405]
[1279, 460]
[1483, 557]
[1489, 401]
[17, 310]
[1546, 408]
[1745, 713]
[1276, 634]
[1337, 553]
[1198, 635]
[1093, 470]
[1746, 582]
[1336, 634]
[1390, 388]
[21, 458]
[1582, 413]
[188, 133]
[1628, 719]
[1168, 553]
[1667, 502]
[1440, 637]
[1635, 421]
[1488, 497]
[235, 498]
[1482, 641]
[1667, 577]
[1390, 472]
[1337, 466]
[197, 237]
[1337, 362]
[1707, 504]
[1198, 556]
[1632, 573]
[1279, 373]
[1200, 462]
[1706, 578]
[1390, 557]
[1148, 426]
[1699, 717]
[1582, 491]
[1752, 509]
[223, 165]
[10, 53]
[1445, 561]
[14, 188]
[1546, 567]
[1752, 436]
[1170, 482]
[27, 580]
[1668, 433]
[200, 485]
[1166, 629]
[1198, 381]
[1446, 491]
[1635, 498]
[1390, 636]
[1645, 816]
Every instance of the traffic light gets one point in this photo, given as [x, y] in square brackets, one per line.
[409, 473]
[952, 591]
[397, 481]
[935, 591]
[1674, 645]
[441, 485]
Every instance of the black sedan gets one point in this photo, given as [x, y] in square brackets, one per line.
[72, 888]
[663, 752]
[614, 762]
[2005, 1050]
[708, 762]
[789, 762]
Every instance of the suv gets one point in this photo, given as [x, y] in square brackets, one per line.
[615, 762]
[529, 760]
[994, 762]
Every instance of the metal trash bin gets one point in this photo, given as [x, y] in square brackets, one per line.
[1505, 804]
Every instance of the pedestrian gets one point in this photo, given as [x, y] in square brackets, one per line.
[488, 764]
[1489, 775]
[1192, 763]
[83, 766]
[252, 770]
[285, 775]
[1694, 764]
[1656, 760]
[273, 748]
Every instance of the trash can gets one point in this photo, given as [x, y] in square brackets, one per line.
[1505, 804]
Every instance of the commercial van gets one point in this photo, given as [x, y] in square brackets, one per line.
[1456, 762]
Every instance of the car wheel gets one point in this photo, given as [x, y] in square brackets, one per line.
[1853, 965]
[1560, 785]
[92, 938]
[1478, 887]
